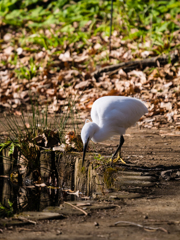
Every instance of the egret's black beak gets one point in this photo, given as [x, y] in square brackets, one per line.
[84, 151]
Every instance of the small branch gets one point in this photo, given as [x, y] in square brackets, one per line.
[26, 220]
[110, 28]
[23, 229]
[139, 225]
[139, 64]
[77, 208]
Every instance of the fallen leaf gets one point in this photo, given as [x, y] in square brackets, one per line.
[9, 50]
[65, 57]
[17, 113]
[83, 85]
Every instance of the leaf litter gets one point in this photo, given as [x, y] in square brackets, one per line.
[35, 69]
[54, 77]
[56, 73]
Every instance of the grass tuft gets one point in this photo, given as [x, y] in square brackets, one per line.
[29, 133]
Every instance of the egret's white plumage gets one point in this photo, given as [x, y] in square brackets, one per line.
[111, 115]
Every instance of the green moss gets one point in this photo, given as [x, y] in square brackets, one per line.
[108, 176]
[83, 170]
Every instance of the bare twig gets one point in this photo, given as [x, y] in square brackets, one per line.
[163, 221]
[139, 64]
[23, 229]
[139, 225]
[27, 220]
[29, 229]
[77, 208]
[110, 28]
[117, 205]
[74, 193]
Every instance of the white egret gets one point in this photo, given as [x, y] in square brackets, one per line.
[111, 115]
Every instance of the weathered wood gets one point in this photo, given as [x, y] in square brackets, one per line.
[95, 182]
[86, 178]
[30, 215]
[6, 193]
[65, 163]
[80, 176]
[45, 164]
[65, 170]
[6, 161]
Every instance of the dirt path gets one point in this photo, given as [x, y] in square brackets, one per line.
[157, 209]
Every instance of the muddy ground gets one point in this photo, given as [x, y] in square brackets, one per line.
[157, 209]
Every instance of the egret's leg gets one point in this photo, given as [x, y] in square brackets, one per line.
[118, 150]
[118, 158]
[119, 146]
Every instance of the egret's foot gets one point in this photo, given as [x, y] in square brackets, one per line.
[116, 159]
[122, 161]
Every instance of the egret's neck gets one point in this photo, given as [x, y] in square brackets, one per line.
[101, 134]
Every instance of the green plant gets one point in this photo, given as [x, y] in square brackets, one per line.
[6, 210]
[11, 146]
[13, 59]
[100, 160]
[27, 72]
[3, 62]
[25, 131]
[151, 18]
[72, 22]
[23, 72]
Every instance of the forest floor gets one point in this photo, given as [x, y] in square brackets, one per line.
[58, 61]
[156, 211]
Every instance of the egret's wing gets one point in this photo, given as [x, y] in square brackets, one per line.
[95, 116]
[117, 111]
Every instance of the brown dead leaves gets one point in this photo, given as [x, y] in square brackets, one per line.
[65, 72]
[49, 139]
[73, 142]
